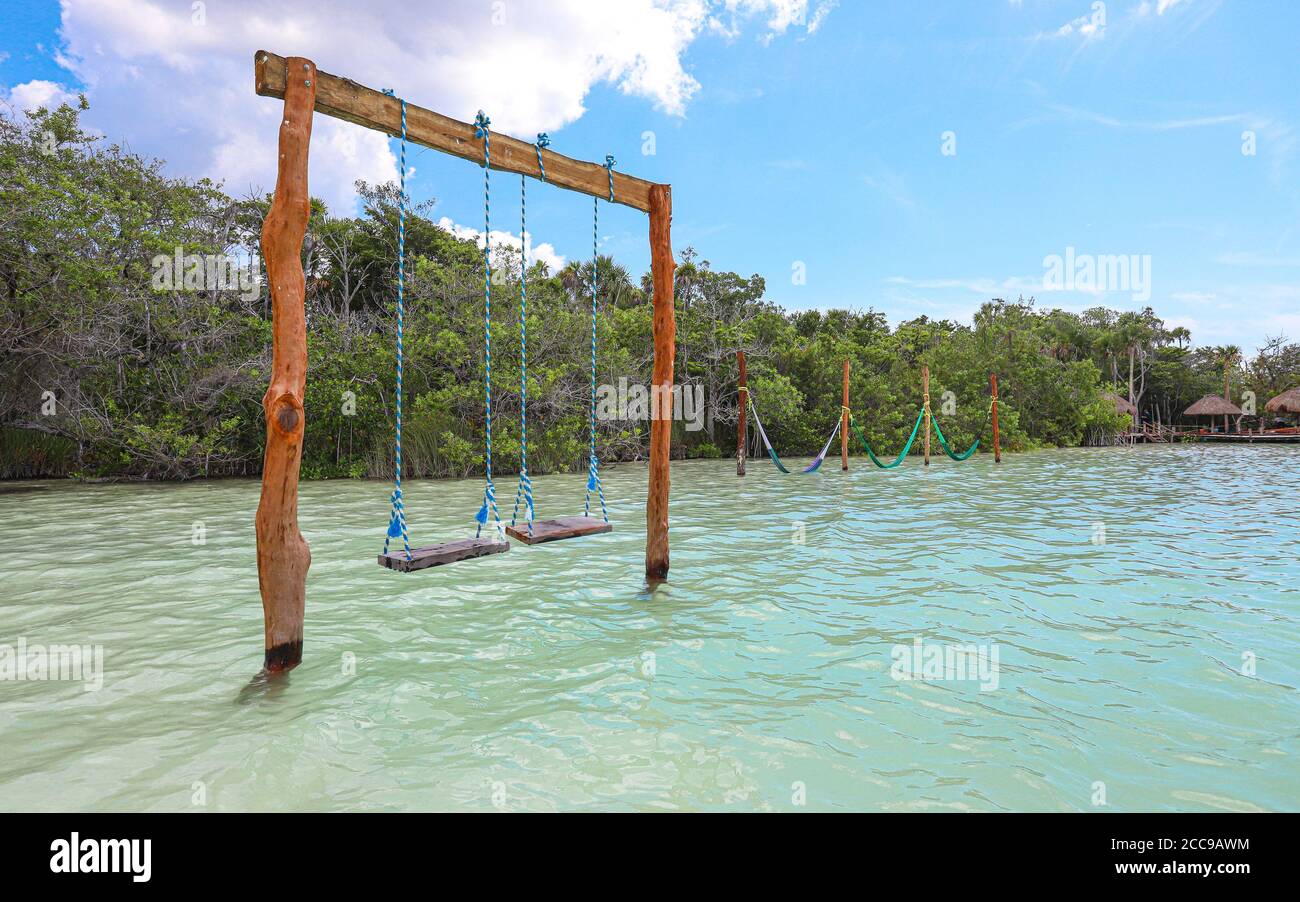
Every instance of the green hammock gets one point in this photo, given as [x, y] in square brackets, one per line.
[943, 443]
[867, 447]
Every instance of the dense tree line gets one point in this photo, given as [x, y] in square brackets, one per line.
[114, 368]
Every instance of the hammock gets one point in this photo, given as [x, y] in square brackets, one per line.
[943, 442]
[862, 440]
[821, 458]
[771, 452]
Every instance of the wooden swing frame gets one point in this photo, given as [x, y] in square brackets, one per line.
[282, 553]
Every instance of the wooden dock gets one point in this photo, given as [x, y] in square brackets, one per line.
[1247, 438]
[1149, 434]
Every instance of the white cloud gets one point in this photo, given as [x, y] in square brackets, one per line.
[183, 91]
[1183, 322]
[780, 16]
[1155, 125]
[1253, 259]
[892, 186]
[1160, 7]
[981, 285]
[819, 15]
[1277, 140]
[1271, 307]
[545, 252]
[38, 93]
[1214, 315]
[1187, 17]
[1089, 26]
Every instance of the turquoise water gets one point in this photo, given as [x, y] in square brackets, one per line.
[758, 677]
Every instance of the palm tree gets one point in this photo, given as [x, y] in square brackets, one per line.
[573, 280]
[1227, 356]
[1134, 335]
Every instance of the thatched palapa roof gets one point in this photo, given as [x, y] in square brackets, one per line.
[1121, 404]
[1287, 402]
[1213, 406]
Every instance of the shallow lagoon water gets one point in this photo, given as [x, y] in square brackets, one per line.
[757, 677]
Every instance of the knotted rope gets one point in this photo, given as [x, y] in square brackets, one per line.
[593, 462]
[525, 488]
[542, 141]
[481, 130]
[397, 517]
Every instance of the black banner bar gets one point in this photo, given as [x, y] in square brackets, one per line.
[1147, 852]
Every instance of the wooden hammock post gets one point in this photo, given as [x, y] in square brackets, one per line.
[925, 396]
[844, 421]
[665, 341]
[997, 447]
[742, 401]
[282, 553]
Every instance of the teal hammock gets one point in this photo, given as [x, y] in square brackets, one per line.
[862, 440]
[766, 444]
[943, 442]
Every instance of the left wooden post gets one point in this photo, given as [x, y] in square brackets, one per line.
[282, 553]
[742, 401]
[925, 395]
[844, 420]
[997, 443]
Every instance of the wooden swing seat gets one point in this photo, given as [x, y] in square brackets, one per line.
[442, 553]
[560, 528]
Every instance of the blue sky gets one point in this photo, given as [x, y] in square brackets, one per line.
[797, 135]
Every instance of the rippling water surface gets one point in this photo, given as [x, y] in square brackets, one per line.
[758, 677]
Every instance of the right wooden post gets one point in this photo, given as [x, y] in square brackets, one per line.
[844, 421]
[997, 447]
[925, 396]
[742, 400]
[665, 342]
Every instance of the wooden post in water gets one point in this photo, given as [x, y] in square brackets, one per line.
[997, 447]
[844, 421]
[665, 338]
[282, 553]
[925, 397]
[742, 399]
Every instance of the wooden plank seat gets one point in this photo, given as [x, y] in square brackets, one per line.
[442, 553]
[560, 528]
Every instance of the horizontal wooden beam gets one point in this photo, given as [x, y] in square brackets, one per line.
[344, 99]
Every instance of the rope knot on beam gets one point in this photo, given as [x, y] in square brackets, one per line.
[609, 166]
[543, 140]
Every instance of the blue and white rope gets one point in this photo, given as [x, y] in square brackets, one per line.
[481, 130]
[543, 140]
[593, 462]
[525, 487]
[397, 518]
